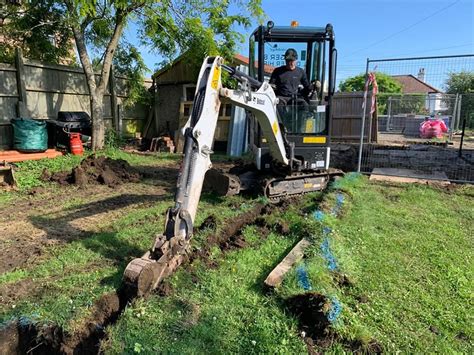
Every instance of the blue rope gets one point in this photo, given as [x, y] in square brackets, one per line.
[339, 202]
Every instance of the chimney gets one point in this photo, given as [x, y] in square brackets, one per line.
[421, 74]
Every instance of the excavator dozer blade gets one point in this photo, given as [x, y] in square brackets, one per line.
[221, 183]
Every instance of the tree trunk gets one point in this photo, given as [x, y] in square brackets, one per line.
[97, 91]
[98, 126]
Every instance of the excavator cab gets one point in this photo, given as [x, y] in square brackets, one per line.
[305, 118]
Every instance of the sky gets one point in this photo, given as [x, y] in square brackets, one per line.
[375, 29]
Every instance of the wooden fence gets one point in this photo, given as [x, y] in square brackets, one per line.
[36, 90]
[347, 117]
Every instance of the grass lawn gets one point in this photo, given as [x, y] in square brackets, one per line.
[404, 251]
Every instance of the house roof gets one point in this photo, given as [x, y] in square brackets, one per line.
[245, 60]
[412, 85]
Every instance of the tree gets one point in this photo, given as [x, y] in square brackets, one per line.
[386, 84]
[462, 83]
[37, 27]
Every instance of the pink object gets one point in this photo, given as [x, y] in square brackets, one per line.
[433, 129]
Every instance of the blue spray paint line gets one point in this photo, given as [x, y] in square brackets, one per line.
[327, 254]
[303, 279]
[25, 321]
[318, 215]
[339, 202]
[352, 176]
[335, 310]
[349, 177]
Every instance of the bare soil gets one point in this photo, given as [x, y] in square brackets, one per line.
[311, 310]
[56, 215]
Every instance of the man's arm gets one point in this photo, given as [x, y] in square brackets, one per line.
[304, 81]
[273, 77]
[306, 85]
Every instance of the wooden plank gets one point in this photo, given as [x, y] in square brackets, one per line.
[296, 254]
[13, 156]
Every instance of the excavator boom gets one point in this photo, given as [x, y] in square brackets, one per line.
[170, 248]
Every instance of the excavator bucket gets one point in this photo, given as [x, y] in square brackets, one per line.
[7, 178]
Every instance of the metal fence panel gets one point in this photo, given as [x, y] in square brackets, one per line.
[419, 127]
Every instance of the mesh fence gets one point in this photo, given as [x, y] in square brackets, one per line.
[420, 119]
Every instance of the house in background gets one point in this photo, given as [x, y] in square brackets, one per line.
[416, 85]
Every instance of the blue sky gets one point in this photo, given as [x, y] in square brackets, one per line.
[376, 29]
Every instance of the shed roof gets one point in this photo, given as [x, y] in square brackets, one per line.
[238, 59]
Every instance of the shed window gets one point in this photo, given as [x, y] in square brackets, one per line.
[188, 92]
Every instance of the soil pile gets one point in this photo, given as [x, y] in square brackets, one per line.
[96, 170]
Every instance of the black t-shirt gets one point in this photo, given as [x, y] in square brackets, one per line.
[287, 80]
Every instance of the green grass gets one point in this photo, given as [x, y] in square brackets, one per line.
[28, 173]
[72, 276]
[223, 310]
[408, 251]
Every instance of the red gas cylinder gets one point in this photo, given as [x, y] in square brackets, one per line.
[76, 143]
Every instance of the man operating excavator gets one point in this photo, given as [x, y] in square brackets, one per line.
[288, 79]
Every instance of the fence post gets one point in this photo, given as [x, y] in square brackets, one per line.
[119, 119]
[113, 100]
[458, 116]
[453, 117]
[364, 104]
[20, 83]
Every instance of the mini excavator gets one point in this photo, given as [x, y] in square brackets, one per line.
[290, 143]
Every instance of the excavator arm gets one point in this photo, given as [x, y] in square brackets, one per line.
[169, 249]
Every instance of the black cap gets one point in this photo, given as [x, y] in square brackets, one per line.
[291, 54]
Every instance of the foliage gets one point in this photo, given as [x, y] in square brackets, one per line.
[129, 63]
[463, 83]
[112, 139]
[386, 85]
[385, 82]
[37, 27]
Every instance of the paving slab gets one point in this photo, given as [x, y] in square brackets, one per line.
[409, 176]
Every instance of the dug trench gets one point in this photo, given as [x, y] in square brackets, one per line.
[311, 310]
[24, 336]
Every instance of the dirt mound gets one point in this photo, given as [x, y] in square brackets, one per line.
[95, 170]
